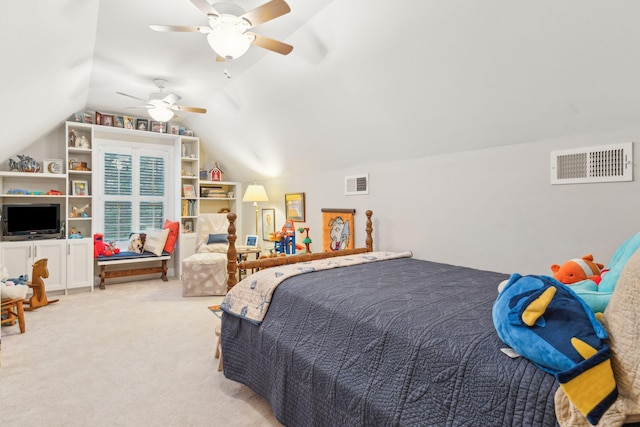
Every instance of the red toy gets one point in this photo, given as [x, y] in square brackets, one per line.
[577, 269]
[99, 246]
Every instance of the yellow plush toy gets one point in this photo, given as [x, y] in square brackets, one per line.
[577, 269]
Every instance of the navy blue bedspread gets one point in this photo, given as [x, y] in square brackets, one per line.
[395, 343]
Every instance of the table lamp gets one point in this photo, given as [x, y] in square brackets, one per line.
[255, 193]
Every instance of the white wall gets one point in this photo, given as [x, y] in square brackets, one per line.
[491, 209]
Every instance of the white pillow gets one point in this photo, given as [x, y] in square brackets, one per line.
[220, 248]
[155, 241]
[13, 291]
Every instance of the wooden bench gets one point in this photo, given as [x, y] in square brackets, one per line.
[104, 262]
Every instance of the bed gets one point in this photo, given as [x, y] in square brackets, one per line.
[399, 341]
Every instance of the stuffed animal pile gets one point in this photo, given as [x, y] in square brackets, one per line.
[102, 248]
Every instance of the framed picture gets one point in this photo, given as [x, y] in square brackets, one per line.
[107, 120]
[118, 121]
[187, 226]
[88, 118]
[251, 240]
[159, 127]
[129, 122]
[175, 130]
[98, 118]
[337, 229]
[268, 222]
[294, 206]
[142, 124]
[52, 166]
[79, 188]
[189, 191]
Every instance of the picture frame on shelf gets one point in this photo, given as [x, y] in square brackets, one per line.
[294, 206]
[88, 118]
[129, 122]
[175, 130]
[107, 120]
[52, 166]
[118, 121]
[187, 226]
[79, 188]
[160, 127]
[98, 120]
[268, 222]
[189, 191]
[142, 124]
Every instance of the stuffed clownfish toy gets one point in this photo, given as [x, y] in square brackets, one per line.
[546, 322]
[577, 269]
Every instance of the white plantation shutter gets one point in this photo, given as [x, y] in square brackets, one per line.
[134, 185]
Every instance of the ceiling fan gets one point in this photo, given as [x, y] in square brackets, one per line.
[228, 33]
[161, 106]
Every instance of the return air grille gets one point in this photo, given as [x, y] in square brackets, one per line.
[608, 163]
[356, 184]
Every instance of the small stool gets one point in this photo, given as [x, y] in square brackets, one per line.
[14, 310]
[218, 348]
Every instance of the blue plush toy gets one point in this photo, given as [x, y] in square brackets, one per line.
[546, 322]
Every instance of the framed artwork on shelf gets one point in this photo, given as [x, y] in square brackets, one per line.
[98, 118]
[251, 240]
[52, 166]
[129, 122]
[118, 121]
[337, 229]
[268, 222]
[189, 191]
[142, 124]
[159, 127]
[187, 226]
[294, 206]
[79, 188]
[88, 118]
[107, 120]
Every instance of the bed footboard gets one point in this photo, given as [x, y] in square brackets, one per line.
[232, 253]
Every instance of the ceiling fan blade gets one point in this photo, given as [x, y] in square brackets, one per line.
[266, 12]
[171, 98]
[131, 96]
[205, 7]
[180, 28]
[271, 44]
[189, 109]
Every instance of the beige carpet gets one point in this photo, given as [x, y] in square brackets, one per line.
[135, 354]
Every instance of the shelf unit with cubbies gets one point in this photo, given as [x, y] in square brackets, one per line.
[79, 178]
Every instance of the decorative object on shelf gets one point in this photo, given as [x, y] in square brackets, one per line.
[294, 206]
[216, 173]
[204, 175]
[307, 241]
[75, 165]
[79, 212]
[160, 127]
[142, 124]
[53, 192]
[72, 138]
[17, 191]
[82, 142]
[187, 227]
[255, 193]
[79, 188]
[337, 229]
[129, 122]
[88, 118]
[98, 118]
[118, 121]
[268, 222]
[107, 120]
[189, 191]
[74, 233]
[25, 164]
[39, 297]
[78, 117]
[53, 166]
[175, 130]
[224, 210]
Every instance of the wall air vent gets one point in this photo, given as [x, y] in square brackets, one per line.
[356, 184]
[607, 163]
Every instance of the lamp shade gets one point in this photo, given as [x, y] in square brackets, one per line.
[161, 114]
[255, 193]
[228, 42]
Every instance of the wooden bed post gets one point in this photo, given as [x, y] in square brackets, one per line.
[232, 254]
[369, 241]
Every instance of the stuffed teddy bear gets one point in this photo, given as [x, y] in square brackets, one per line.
[111, 249]
[577, 269]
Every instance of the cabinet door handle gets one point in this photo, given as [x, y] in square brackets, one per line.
[29, 251]
[35, 252]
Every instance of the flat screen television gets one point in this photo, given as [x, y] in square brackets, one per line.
[30, 221]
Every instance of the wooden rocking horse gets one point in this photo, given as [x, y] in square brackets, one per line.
[39, 297]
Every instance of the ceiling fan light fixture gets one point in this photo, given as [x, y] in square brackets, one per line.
[161, 114]
[228, 42]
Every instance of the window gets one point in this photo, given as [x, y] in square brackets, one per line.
[134, 190]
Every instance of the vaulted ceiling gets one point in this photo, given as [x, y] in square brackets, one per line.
[367, 82]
